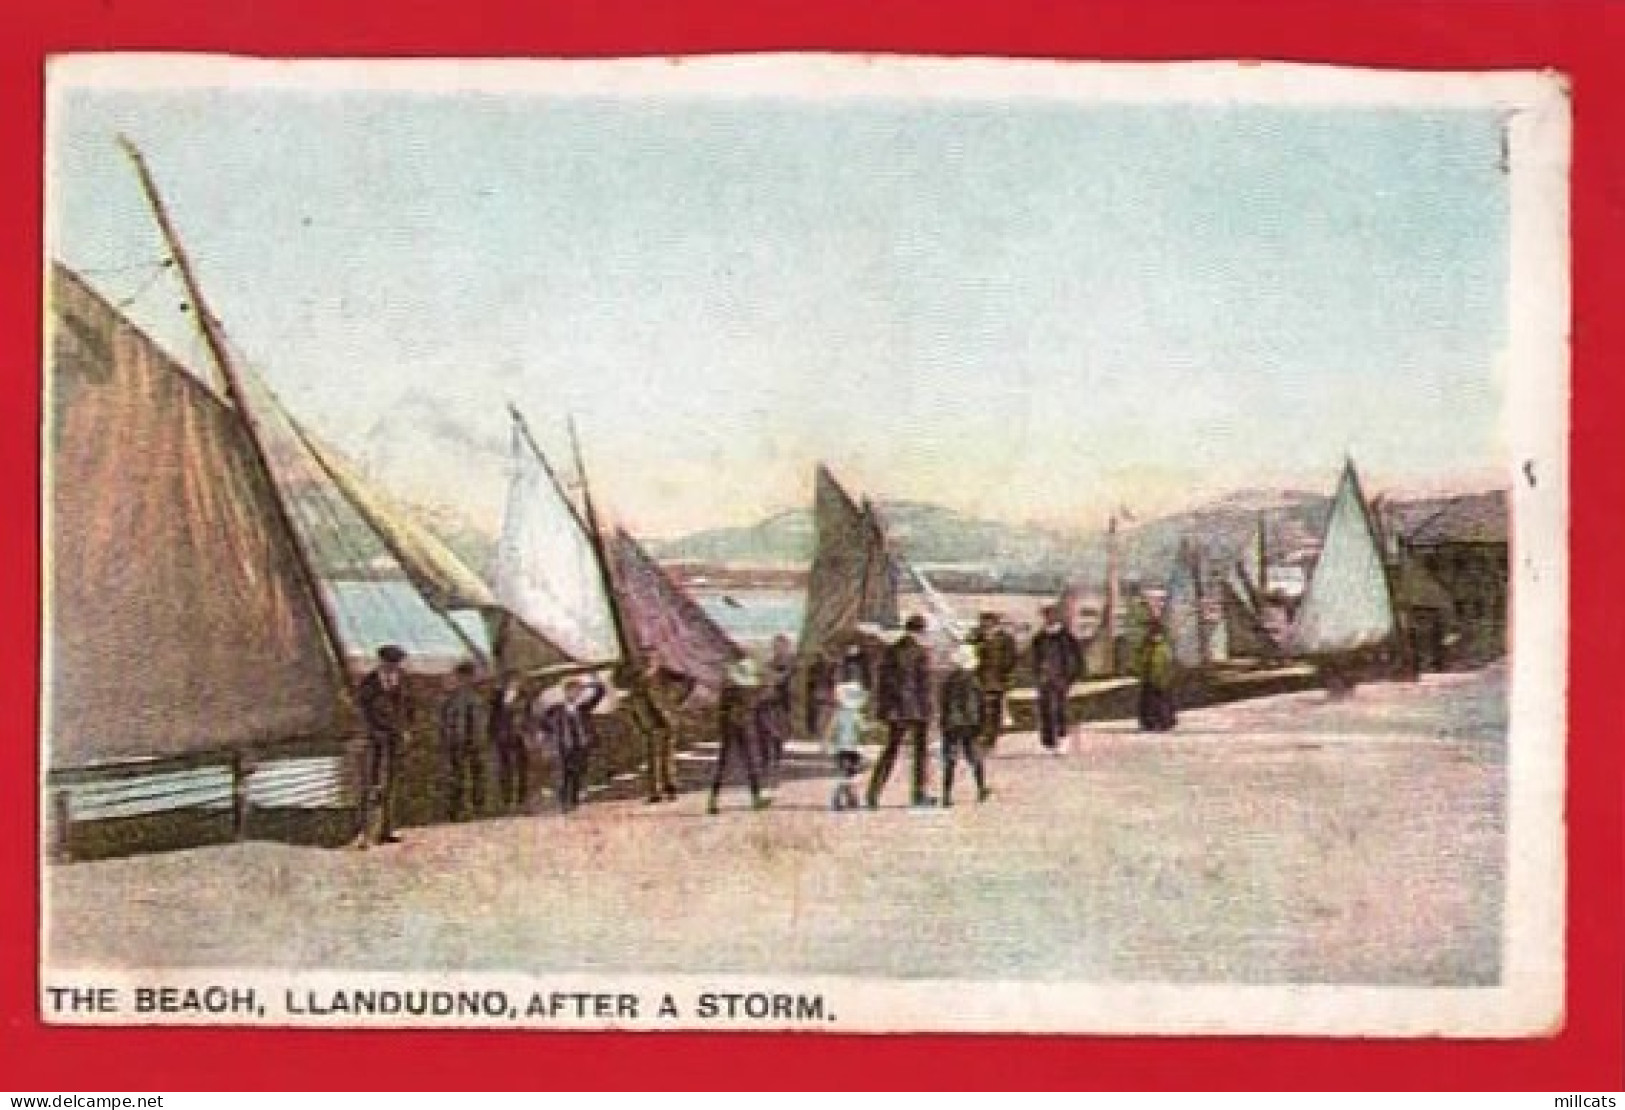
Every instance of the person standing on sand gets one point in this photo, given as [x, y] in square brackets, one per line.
[1155, 668]
[844, 733]
[1057, 664]
[657, 707]
[903, 700]
[963, 703]
[995, 670]
[506, 730]
[460, 715]
[736, 730]
[567, 722]
[386, 710]
[774, 721]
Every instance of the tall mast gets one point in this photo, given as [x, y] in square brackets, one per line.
[547, 468]
[225, 366]
[629, 651]
[1113, 584]
[1261, 582]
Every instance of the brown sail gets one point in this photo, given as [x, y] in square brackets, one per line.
[664, 617]
[853, 579]
[176, 618]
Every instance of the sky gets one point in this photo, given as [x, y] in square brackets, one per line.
[1034, 311]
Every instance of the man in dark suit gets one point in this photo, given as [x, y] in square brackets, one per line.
[903, 701]
[1057, 664]
[506, 730]
[460, 715]
[995, 670]
[737, 719]
[386, 710]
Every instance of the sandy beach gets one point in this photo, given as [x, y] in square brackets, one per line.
[1288, 839]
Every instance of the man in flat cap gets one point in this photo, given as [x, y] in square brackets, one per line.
[995, 670]
[386, 710]
[903, 701]
[1057, 664]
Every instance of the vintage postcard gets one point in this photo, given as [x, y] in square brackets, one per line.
[848, 544]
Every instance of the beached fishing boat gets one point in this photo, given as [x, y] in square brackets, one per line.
[854, 578]
[1347, 622]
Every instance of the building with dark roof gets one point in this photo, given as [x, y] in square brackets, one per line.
[1453, 580]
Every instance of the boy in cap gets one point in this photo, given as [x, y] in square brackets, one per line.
[567, 721]
[962, 708]
[386, 710]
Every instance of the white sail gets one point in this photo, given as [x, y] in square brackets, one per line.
[1348, 603]
[546, 571]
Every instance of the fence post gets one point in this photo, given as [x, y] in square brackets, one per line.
[61, 826]
[239, 796]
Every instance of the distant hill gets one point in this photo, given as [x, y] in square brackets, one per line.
[934, 536]
[1225, 530]
[972, 552]
[928, 534]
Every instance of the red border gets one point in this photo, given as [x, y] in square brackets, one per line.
[1585, 38]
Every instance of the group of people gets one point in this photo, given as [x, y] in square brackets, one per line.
[967, 705]
[509, 719]
[898, 685]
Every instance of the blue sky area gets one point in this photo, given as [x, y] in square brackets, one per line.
[1034, 311]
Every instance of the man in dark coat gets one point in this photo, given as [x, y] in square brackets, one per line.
[737, 719]
[903, 701]
[386, 710]
[995, 670]
[774, 720]
[568, 723]
[460, 715]
[506, 729]
[1057, 664]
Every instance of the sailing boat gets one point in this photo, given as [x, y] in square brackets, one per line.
[181, 616]
[1348, 606]
[1246, 634]
[853, 580]
[663, 616]
[549, 576]
[186, 634]
[947, 631]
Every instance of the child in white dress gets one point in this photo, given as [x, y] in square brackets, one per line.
[844, 734]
